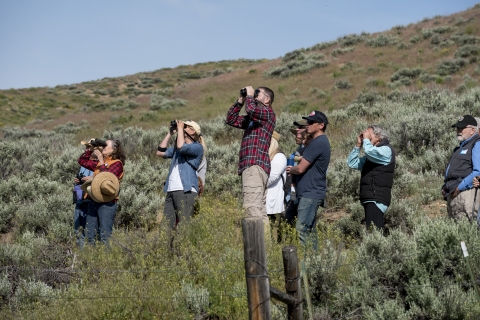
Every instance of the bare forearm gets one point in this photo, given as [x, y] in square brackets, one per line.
[180, 138]
[163, 144]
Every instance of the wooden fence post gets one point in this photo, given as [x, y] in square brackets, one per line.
[292, 281]
[258, 284]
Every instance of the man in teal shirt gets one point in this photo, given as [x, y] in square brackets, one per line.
[377, 165]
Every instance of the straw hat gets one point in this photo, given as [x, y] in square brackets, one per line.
[195, 126]
[104, 187]
[87, 142]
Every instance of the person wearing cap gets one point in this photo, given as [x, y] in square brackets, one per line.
[102, 210]
[310, 177]
[377, 166]
[275, 195]
[254, 161]
[299, 130]
[182, 185]
[464, 165]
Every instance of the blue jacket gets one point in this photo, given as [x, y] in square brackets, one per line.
[189, 158]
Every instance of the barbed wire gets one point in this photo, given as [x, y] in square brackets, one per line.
[403, 287]
[176, 297]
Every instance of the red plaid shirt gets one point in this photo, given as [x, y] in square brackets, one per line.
[258, 124]
[116, 168]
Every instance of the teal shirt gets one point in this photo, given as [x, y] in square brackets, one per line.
[381, 155]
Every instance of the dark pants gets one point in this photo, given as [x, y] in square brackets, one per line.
[178, 207]
[373, 215]
[275, 221]
[100, 216]
[79, 220]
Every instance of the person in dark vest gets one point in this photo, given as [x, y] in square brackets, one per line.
[463, 167]
[377, 165]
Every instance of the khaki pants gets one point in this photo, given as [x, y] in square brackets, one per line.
[461, 205]
[254, 188]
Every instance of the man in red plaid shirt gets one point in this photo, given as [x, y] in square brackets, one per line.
[254, 163]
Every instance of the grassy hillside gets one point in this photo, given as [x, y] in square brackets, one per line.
[439, 52]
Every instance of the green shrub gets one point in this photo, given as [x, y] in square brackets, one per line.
[294, 55]
[297, 62]
[405, 73]
[460, 21]
[467, 51]
[351, 39]
[426, 78]
[447, 67]
[343, 84]
[427, 33]
[374, 82]
[414, 39]
[338, 51]
[464, 39]
[323, 45]
[368, 97]
[382, 41]
[159, 102]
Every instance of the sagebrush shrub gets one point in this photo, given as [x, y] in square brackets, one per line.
[351, 39]
[382, 41]
[159, 102]
[338, 51]
[343, 84]
[467, 51]
[447, 67]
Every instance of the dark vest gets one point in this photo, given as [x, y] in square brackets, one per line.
[376, 180]
[460, 165]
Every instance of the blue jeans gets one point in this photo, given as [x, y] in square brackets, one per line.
[79, 220]
[306, 211]
[100, 217]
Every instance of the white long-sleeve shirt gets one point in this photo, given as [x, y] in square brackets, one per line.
[274, 202]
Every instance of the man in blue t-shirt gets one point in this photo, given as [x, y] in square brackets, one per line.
[310, 176]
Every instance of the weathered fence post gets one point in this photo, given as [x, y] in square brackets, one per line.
[258, 284]
[292, 281]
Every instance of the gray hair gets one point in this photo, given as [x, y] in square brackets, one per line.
[379, 132]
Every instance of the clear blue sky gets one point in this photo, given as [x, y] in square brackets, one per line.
[52, 42]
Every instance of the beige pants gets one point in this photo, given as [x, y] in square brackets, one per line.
[461, 205]
[254, 188]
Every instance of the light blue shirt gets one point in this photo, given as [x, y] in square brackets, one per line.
[189, 157]
[467, 182]
[381, 155]
[85, 171]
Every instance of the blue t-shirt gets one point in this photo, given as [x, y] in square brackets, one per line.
[313, 182]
